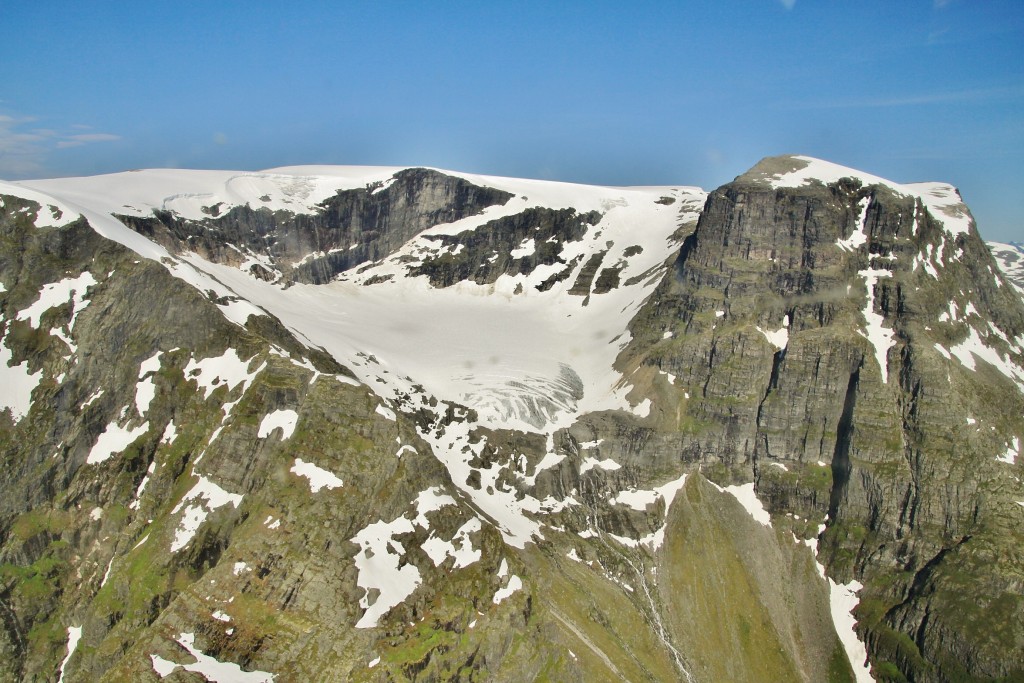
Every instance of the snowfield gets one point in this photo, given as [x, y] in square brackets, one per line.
[482, 345]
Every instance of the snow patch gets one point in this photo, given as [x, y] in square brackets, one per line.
[430, 500]
[285, 419]
[842, 600]
[642, 409]
[134, 505]
[860, 235]
[639, 500]
[1012, 451]
[945, 205]
[526, 248]
[92, 397]
[514, 584]
[460, 547]
[18, 384]
[114, 439]
[212, 669]
[973, 347]
[57, 294]
[170, 433]
[780, 337]
[227, 370]
[591, 463]
[318, 477]
[744, 493]
[145, 390]
[383, 574]
[207, 497]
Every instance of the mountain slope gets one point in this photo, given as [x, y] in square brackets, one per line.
[1010, 258]
[378, 424]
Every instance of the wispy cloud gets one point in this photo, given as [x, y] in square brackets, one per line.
[939, 4]
[788, 4]
[85, 138]
[25, 147]
[971, 96]
[21, 149]
[939, 37]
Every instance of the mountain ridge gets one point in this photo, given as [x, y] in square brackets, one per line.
[527, 394]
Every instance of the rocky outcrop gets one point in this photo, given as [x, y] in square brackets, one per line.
[512, 245]
[351, 228]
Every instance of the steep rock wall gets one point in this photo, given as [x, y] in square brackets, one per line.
[808, 338]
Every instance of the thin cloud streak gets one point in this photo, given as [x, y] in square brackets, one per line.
[975, 96]
[24, 150]
[85, 138]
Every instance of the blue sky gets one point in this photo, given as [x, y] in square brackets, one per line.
[597, 92]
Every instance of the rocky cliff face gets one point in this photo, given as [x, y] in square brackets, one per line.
[352, 227]
[831, 335]
[435, 427]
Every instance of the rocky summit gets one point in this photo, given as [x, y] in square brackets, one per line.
[385, 424]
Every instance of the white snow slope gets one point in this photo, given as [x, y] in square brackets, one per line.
[504, 354]
[1010, 258]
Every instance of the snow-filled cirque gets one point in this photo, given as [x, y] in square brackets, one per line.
[479, 343]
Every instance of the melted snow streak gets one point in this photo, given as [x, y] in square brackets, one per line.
[74, 635]
[882, 338]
